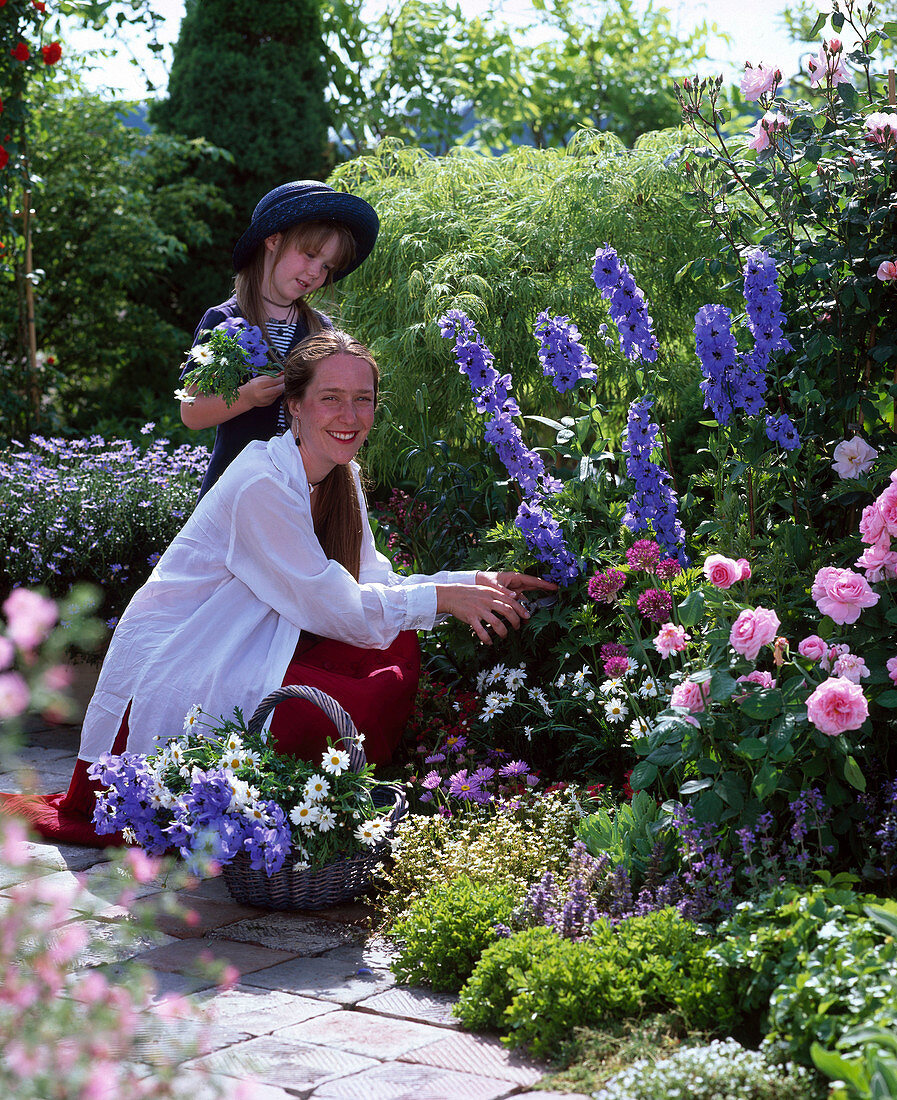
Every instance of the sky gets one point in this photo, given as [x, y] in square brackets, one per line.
[753, 26]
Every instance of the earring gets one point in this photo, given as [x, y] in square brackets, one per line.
[295, 428]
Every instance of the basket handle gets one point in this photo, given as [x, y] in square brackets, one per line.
[345, 727]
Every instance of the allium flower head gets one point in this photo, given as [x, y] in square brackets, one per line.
[603, 587]
[667, 569]
[643, 554]
[655, 604]
[616, 667]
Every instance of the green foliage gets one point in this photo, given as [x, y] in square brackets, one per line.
[503, 238]
[722, 1069]
[811, 963]
[428, 74]
[250, 79]
[537, 986]
[628, 833]
[107, 232]
[446, 931]
[507, 847]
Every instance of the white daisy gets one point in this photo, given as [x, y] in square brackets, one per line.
[612, 686]
[301, 865]
[561, 680]
[494, 675]
[515, 678]
[648, 688]
[306, 813]
[316, 788]
[175, 752]
[234, 743]
[481, 682]
[492, 707]
[634, 666]
[326, 819]
[615, 710]
[640, 727]
[366, 834]
[335, 761]
[528, 732]
[185, 396]
[201, 353]
[538, 696]
[192, 716]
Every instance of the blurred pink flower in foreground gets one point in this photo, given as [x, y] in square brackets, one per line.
[30, 617]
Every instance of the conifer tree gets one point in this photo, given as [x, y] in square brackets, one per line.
[249, 78]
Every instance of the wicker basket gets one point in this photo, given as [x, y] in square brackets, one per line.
[338, 881]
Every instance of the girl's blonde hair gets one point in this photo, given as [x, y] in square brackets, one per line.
[248, 282]
[338, 519]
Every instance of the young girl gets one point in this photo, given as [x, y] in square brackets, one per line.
[302, 236]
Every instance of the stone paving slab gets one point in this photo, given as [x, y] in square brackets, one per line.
[200, 916]
[336, 980]
[64, 857]
[260, 1011]
[199, 1084]
[413, 1004]
[376, 952]
[400, 1081]
[187, 957]
[477, 1054]
[107, 944]
[361, 1033]
[300, 934]
[287, 1064]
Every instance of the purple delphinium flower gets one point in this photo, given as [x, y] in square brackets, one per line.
[564, 360]
[779, 429]
[628, 309]
[544, 536]
[653, 501]
[764, 305]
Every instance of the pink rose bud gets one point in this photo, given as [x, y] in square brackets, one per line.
[722, 572]
[891, 666]
[745, 569]
[834, 45]
[813, 648]
[887, 271]
[837, 705]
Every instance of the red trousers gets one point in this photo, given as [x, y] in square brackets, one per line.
[376, 687]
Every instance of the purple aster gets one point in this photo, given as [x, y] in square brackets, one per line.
[514, 770]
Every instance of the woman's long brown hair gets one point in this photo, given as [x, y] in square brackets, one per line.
[337, 513]
[248, 283]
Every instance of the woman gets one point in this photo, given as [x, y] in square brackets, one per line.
[278, 550]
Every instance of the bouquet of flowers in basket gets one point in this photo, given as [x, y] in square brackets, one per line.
[219, 789]
[234, 352]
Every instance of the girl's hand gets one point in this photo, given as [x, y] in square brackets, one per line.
[482, 607]
[262, 390]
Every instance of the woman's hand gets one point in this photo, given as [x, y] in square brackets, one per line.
[262, 390]
[515, 582]
[483, 606]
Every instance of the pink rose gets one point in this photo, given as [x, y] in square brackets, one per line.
[758, 80]
[690, 695]
[752, 630]
[823, 66]
[879, 563]
[722, 572]
[831, 658]
[671, 639]
[842, 594]
[813, 647]
[853, 457]
[887, 269]
[837, 705]
[851, 667]
[887, 508]
[891, 666]
[769, 124]
[761, 678]
[745, 569]
[30, 617]
[14, 695]
[873, 528]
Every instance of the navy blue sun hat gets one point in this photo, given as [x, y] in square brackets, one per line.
[309, 201]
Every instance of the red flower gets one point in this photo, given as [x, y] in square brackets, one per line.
[52, 53]
[4, 158]
[21, 52]
[40, 5]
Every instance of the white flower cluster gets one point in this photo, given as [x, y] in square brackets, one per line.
[720, 1071]
[512, 679]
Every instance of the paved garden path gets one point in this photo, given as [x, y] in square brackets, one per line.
[316, 1011]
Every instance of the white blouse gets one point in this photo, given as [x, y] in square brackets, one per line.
[218, 620]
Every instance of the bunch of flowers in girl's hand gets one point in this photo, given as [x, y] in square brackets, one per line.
[219, 789]
[234, 352]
